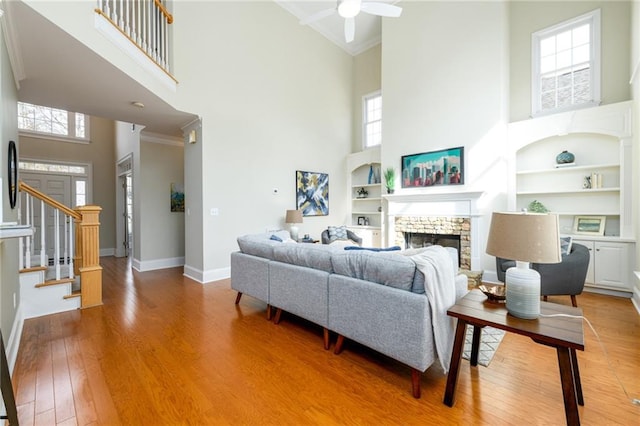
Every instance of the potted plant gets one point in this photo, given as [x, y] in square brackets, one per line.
[389, 179]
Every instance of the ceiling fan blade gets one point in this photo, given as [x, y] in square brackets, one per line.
[349, 29]
[317, 16]
[381, 9]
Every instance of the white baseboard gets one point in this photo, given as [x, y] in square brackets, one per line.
[204, 277]
[13, 343]
[152, 265]
[107, 252]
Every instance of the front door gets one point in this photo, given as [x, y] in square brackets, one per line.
[57, 187]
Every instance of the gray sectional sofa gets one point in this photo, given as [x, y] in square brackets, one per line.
[374, 298]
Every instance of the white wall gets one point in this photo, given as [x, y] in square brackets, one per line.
[274, 97]
[10, 323]
[100, 154]
[367, 68]
[444, 82]
[527, 17]
[161, 230]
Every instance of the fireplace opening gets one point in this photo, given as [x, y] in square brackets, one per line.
[414, 240]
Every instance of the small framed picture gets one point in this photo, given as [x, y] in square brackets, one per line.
[589, 225]
[361, 220]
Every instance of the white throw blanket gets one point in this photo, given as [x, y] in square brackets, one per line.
[440, 288]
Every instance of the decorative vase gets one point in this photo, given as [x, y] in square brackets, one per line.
[565, 157]
[389, 190]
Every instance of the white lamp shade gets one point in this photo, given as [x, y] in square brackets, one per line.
[524, 237]
[527, 237]
[293, 216]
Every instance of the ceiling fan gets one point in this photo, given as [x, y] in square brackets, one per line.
[349, 9]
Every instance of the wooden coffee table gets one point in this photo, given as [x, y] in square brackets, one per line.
[564, 334]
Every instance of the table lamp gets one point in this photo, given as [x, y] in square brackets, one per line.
[293, 217]
[526, 238]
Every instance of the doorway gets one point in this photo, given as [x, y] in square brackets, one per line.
[69, 184]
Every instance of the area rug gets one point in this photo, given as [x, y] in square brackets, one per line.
[490, 339]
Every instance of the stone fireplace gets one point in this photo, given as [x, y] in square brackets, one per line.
[437, 218]
[422, 231]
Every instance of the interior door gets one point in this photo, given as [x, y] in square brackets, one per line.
[57, 187]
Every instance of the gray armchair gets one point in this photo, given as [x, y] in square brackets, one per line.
[564, 278]
[324, 237]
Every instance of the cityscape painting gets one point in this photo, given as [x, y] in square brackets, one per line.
[435, 168]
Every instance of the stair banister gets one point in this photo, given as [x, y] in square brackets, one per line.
[85, 260]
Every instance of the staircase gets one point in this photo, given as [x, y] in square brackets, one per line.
[69, 276]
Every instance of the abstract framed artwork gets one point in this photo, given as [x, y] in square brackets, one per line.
[312, 193]
[177, 197]
[434, 168]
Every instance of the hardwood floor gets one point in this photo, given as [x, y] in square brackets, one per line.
[165, 350]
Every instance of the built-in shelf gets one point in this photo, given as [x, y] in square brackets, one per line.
[568, 169]
[571, 191]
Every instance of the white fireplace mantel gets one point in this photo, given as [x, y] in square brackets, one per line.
[439, 204]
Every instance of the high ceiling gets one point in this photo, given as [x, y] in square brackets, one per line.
[368, 27]
[77, 79]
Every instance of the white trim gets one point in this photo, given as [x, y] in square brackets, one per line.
[595, 63]
[13, 343]
[114, 35]
[365, 98]
[13, 47]
[204, 277]
[160, 139]
[107, 252]
[52, 137]
[155, 264]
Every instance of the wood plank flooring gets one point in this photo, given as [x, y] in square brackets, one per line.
[165, 350]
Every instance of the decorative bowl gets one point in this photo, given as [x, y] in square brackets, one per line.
[493, 292]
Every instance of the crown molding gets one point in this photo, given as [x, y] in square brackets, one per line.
[160, 139]
[11, 41]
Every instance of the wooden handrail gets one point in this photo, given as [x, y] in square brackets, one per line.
[164, 11]
[48, 200]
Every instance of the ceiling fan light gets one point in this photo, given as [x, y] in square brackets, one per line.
[349, 8]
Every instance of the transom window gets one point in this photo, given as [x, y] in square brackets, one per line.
[372, 119]
[52, 122]
[566, 65]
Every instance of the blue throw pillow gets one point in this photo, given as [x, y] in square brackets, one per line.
[337, 233]
[565, 245]
[275, 238]
[394, 248]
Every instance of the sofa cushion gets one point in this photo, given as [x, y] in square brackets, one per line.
[316, 256]
[262, 245]
[390, 269]
[337, 233]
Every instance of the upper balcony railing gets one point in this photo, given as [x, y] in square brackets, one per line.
[145, 23]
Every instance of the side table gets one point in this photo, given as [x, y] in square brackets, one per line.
[563, 333]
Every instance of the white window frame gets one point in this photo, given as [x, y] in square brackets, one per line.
[71, 127]
[365, 99]
[87, 176]
[592, 18]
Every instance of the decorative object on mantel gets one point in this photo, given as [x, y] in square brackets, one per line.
[443, 167]
[389, 179]
[362, 193]
[586, 182]
[596, 180]
[565, 157]
[537, 207]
